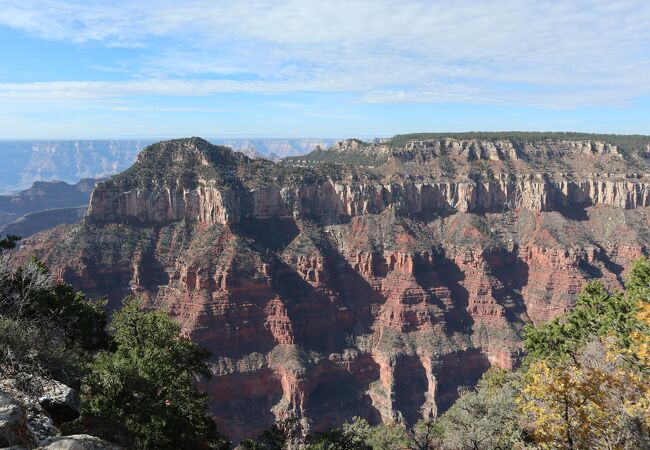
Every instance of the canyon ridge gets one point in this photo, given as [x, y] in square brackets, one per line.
[372, 280]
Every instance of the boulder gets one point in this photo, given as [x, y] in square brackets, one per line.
[60, 401]
[14, 430]
[25, 394]
[77, 442]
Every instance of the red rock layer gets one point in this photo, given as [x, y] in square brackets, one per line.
[384, 317]
[331, 300]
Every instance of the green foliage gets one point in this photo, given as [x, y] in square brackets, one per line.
[360, 435]
[481, 172]
[597, 400]
[184, 161]
[28, 351]
[637, 286]
[337, 439]
[284, 434]
[510, 169]
[9, 242]
[485, 418]
[262, 173]
[586, 375]
[389, 436]
[597, 313]
[29, 292]
[59, 326]
[147, 383]
[426, 435]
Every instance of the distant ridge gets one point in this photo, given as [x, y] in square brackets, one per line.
[46, 204]
[627, 142]
[26, 161]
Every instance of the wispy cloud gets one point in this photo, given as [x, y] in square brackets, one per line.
[173, 109]
[545, 53]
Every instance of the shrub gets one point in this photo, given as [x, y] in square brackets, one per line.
[46, 328]
[447, 166]
[586, 377]
[147, 383]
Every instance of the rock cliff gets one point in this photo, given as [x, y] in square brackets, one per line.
[327, 290]
[339, 201]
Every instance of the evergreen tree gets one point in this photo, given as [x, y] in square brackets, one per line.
[147, 383]
[597, 314]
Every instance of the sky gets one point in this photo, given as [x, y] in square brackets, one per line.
[325, 68]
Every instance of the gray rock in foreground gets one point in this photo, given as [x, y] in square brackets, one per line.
[30, 410]
[77, 442]
[14, 430]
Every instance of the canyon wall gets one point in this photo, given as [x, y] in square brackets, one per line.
[358, 294]
[336, 201]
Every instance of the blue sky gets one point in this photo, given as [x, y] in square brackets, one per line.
[303, 68]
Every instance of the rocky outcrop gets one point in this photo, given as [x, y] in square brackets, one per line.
[351, 145]
[361, 294]
[60, 401]
[48, 195]
[77, 442]
[495, 151]
[503, 150]
[45, 205]
[14, 430]
[31, 408]
[337, 202]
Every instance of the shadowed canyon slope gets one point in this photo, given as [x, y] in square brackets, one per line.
[361, 280]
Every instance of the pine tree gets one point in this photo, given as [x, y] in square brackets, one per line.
[147, 384]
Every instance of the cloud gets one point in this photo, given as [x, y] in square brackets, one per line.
[545, 53]
[173, 109]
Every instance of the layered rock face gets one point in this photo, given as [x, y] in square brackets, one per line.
[337, 201]
[326, 292]
[501, 150]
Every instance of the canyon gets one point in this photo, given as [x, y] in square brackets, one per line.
[27, 161]
[44, 205]
[372, 280]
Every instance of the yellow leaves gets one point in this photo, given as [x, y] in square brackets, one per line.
[587, 384]
[584, 403]
[641, 338]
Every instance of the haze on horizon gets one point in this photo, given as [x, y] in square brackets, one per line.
[303, 68]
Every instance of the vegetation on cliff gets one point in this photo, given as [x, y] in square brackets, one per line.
[585, 380]
[181, 162]
[46, 327]
[184, 163]
[136, 376]
[629, 144]
[583, 384]
[8, 242]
